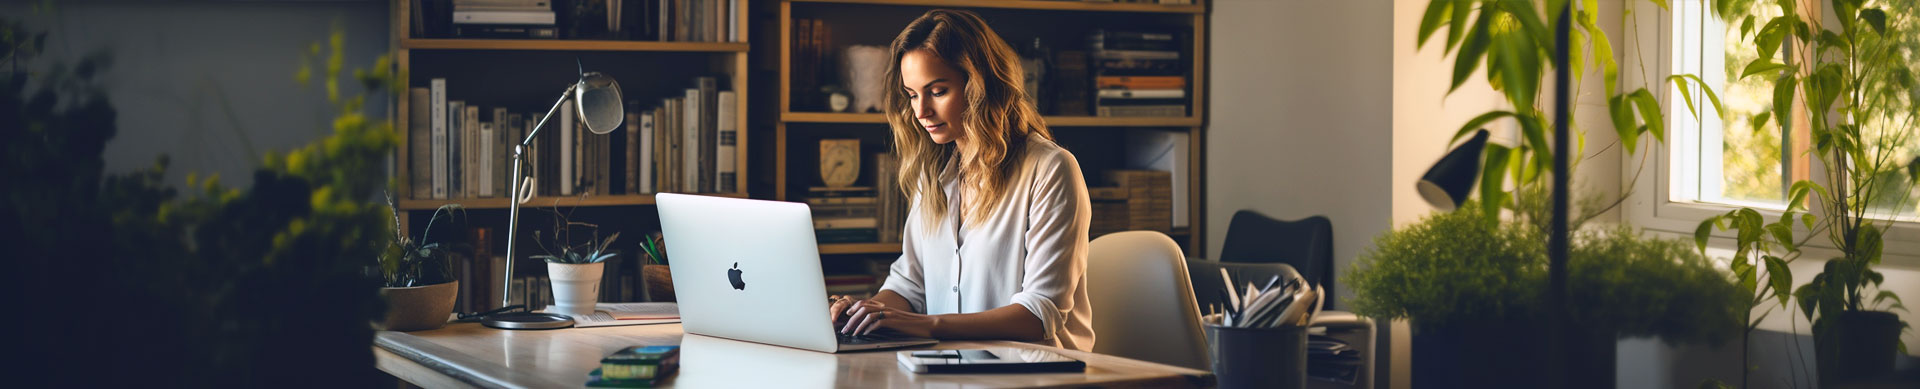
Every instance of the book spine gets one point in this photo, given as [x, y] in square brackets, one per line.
[632, 145]
[456, 121]
[470, 184]
[1142, 94]
[506, 31]
[502, 150]
[420, 143]
[1140, 82]
[486, 149]
[690, 142]
[709, 132]
[503, 17]
[566, 148]
[725, 164]
[646, 152]
[439, 108]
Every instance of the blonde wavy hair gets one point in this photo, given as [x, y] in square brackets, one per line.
[998, 119]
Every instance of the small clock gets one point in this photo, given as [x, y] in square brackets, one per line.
[839, 102]
[839, 161]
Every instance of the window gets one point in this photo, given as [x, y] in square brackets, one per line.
[1744, 159]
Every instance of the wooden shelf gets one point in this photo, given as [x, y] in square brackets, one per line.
[1056, 121]
[1031, 4]
[570, 45]
[544, 202]
[860, 248]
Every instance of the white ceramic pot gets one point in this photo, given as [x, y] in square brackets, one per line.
[576, 287]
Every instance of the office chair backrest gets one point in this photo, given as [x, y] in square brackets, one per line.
[1306, 244]
[1143, 306]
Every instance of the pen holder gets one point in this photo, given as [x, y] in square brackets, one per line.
[1258, 357]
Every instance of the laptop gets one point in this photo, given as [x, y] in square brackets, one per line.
[750, 270]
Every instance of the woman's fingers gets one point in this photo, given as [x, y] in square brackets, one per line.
[876, 319]
[854, 317]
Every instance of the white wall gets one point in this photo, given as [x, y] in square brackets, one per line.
[209, 82]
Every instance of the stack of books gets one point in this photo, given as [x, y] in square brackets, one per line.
[504, 19]
[852, 285]
[636, 367]
[892, 207]
[1137, 73]
[844, 214]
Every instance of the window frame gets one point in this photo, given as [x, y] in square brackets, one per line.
[1653, 207]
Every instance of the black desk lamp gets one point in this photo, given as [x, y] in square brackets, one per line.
[597, 99]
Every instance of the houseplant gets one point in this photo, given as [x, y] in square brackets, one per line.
[575, 269]
[1855, 84]
[418, 278]
[1474, 290]
[656, 275]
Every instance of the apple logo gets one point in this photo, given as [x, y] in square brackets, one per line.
[733, 276]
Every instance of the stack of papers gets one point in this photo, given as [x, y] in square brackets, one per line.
[1290, 302]
[1330, 359]
[626, 314]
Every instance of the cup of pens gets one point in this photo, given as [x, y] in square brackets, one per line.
[1258, 338]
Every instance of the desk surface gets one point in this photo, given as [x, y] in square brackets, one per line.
[468, 354]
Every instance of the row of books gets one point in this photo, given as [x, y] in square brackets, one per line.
[1137, 73]
[685, 144]
[646, 20]
[844, 214]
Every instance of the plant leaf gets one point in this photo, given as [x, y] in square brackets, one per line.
[1760, 66]
[1760, 121]
[1703, 232]
[1520, 65]
[1623, 126]
[1768, 41]
[1783, 99]
[1780, 277]
[1782, 233]
[1430, 22]
[1650, 111]
[1493, 180]
[1471, 51]
[1457, 25]
[1876, 18]
[1478, 123]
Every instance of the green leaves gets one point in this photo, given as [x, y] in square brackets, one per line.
[1875, 18]
[1780, 277]
[1783, 98]
[1686, 94]
[1650, 110]
[1474, 47]
[1430, 21]
[1762, 66]
[1518, 61]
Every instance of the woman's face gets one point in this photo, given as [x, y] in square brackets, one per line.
[934, 89]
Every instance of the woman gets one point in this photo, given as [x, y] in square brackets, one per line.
[995, 246]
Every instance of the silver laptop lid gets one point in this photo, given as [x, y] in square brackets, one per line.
[746, 270]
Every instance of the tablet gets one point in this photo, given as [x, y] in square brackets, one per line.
[994, 360]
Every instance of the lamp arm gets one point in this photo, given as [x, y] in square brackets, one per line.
[515, 196]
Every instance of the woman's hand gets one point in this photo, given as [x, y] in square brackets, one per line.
[865, 316]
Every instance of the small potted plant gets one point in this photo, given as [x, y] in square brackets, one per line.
[418, 279]
[655, 274]
[576, 269]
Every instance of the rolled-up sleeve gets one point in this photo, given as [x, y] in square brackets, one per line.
[904, 277]
[1056, 244]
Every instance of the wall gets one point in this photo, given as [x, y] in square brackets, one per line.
[209, 82]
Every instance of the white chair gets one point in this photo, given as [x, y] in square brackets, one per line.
[1143, 305]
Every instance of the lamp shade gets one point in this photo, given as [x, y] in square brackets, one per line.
[1448, 182]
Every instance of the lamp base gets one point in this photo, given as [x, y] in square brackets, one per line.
[527, 321]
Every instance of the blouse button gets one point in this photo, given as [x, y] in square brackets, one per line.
[956, 289]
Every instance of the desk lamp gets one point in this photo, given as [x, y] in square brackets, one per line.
[597, 99]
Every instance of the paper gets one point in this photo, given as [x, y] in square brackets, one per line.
[626, 314]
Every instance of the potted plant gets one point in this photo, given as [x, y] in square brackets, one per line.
[1475, 290]
[656, 275]
[575, 270]
[417, 279]
[1856, 84]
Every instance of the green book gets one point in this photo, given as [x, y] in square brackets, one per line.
[635, 367]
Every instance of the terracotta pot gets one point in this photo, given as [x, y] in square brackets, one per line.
[659, 282]
[417, 308]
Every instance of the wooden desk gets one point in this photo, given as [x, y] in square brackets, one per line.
[470, 355]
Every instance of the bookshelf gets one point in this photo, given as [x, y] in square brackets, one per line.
[524, 77]
[795, 127]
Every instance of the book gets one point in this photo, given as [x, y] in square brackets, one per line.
[726, 171]
[509, 31]
[1140, 82]
[485, 170]
[690, 141]
[709, 131]
[456, 121]
[845, 223]
[1122, 93]
[438, 104]
[470, 152]
[1102, 39]
[626, 314]
[494, 16]
[419, 143]
[632, 147]
[647, 153]
[635, 367]
[1142, 111]
[1135, 54]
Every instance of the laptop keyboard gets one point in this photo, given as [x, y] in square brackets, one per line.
[864, 339]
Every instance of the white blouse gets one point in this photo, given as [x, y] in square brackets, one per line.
[1032, 251]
